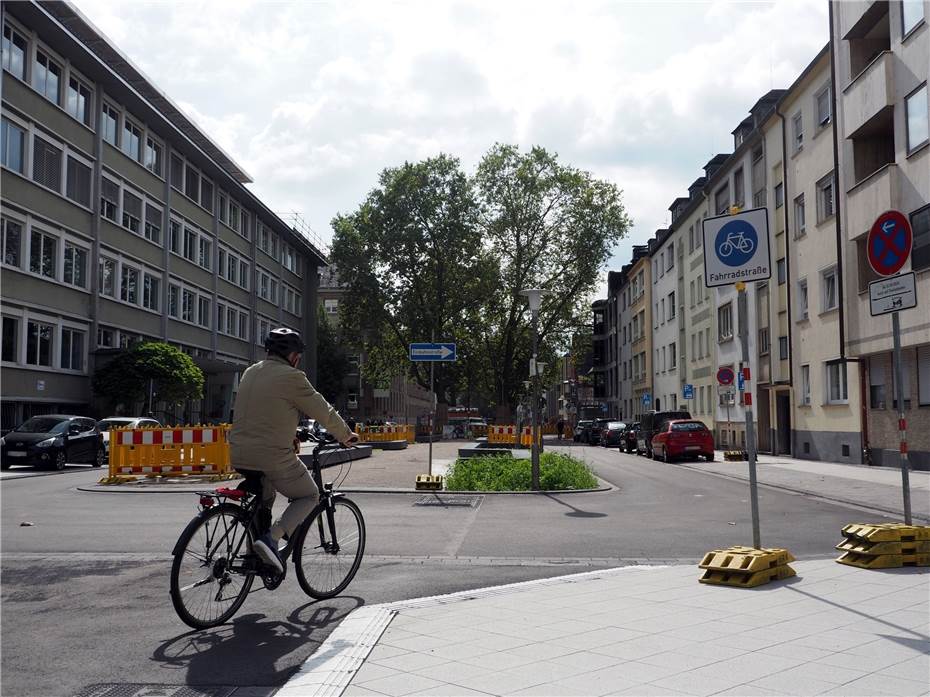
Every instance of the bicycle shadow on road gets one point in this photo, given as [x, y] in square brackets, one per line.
[251, 649]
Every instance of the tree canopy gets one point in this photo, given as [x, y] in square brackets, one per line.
[174, 376]
[332, 362]
[434, 254]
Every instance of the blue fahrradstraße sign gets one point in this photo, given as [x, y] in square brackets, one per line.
[737, 248]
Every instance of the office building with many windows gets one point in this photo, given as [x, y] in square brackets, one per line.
[121, 221]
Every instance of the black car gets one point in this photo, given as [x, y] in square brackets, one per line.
[629, 437]
[583, 431]
[594, 435]
[51, 441]
[612, 434]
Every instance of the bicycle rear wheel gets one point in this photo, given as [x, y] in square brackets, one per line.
[327, 558]
[210, 578]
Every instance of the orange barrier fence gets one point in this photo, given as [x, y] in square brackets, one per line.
[507, 434]
[380, 434]
[169, 451]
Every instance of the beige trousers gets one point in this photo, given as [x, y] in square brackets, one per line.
[297, 484]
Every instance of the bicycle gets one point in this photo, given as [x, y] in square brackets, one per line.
[735, 242]
[214, 566]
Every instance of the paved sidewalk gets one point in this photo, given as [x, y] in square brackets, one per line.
[832, 630]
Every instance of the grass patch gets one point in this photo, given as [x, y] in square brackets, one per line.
[494, 473]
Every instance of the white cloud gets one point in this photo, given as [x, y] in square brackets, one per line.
[314, 99]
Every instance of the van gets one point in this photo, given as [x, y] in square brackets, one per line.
[651, 422]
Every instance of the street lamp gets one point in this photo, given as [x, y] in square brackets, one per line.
[534, 297]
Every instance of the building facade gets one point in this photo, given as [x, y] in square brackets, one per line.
[641, 346]
[665, 383]
[122, 221]
[881, 60]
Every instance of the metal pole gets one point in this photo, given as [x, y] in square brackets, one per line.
[902, 422]
[534, 451]
[432, 416]
[743, 319]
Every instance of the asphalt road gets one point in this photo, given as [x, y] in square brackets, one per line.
[85, 587]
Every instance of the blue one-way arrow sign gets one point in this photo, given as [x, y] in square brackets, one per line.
[432, 352]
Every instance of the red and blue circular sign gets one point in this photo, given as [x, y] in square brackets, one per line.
[725, 376]
[889, 243]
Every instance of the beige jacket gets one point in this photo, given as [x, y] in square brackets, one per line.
[271, 397]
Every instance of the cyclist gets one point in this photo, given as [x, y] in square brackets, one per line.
[272, 394]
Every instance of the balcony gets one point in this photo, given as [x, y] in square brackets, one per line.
[868, 198]
[869, 93]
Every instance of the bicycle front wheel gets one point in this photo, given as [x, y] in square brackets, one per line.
[328, 554]
[210, 578]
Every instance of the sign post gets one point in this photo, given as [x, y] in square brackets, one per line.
[687, 391]
[889, 246]
[432, 353]
[736, 251]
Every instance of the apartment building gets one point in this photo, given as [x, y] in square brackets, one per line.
[625, 337]
[121, 221]
[881, 60]
[641, 345]
[616, 282]
[665, 383]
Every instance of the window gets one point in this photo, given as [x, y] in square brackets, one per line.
[13, 144]
[14, 52]
[10, 340]
[781, 270]
[191, 183]
[725, 322]
[150, 292]
[234, 216]
[221, 199]
[106, 279]
[876, 383]
[920, 226]
[177, 172]
[836, 382]
[152, 158]
[243, 325]
[187, 305]
[331, 306]
[109, 124]
[739, 195]
[822, 99]
[244, 274]
[109, 198]
[39, 344]
[802, 299]
[174, 236]
[825, 198]
[799, 226]
[923, 376]
[805, 385]
[205, 250]
[43, 253]
[132, 212]
[206, 194]
[779, 195]
[783, 348]
[129, 285]
[797, 131]
[221, 318]
[231, 320]
[203, 311]
[671, 305]
[174, 300]
[672, 356]
[72, 349]
[912, 13]
[764, 341]
[190, 243]
[132, 140]
[106, 337]
[78, 186]
[152, 223]
[828, 285]
[670, 253]
[915, 108]
[46, 164]
[77, 100]
[722, 199]
[46, 76]
[75, 266]
[12, 234]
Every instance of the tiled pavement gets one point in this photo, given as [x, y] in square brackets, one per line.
[641, 630]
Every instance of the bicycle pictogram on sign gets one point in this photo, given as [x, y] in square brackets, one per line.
[736, 242]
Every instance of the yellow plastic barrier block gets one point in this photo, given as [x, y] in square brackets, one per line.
[884, 561]
[887, 532]
[880, 548]
[745, 560]
[429, 481]
[745, 580]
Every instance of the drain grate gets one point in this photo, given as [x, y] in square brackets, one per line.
[153, 690]
[448, 500]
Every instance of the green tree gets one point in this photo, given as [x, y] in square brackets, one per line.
[549, 226]
[413, 261]
[172, 374]
[332, 362]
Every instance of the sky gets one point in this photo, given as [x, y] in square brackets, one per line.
[315, 99]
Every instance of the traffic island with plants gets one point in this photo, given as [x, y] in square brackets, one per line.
[557, 472]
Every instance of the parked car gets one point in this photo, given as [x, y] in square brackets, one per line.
[680, 438]
[51, 441]
[307, 428]
[612, 434]
[651, 423]
[104, 426]
[583, 431]
[594, 435]
[629, 438]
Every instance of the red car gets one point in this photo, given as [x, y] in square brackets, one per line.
[683, 438]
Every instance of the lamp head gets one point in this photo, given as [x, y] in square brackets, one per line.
[534, 297]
